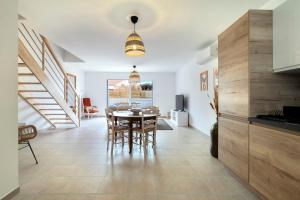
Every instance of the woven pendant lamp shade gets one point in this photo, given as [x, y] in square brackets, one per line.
[134, 45]
[134, 76]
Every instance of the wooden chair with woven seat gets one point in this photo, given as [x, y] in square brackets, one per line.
[115, 130]
[27, 133]
[146, 110]
[148, 131]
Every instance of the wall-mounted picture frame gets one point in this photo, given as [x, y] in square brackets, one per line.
[204, 81]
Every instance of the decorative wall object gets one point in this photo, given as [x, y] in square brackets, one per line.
[216, 77]
[204, 81]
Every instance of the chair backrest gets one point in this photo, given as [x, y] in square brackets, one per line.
[149, 122]
[27, 132]
[86, 102]
[151, 110]
[110, 119]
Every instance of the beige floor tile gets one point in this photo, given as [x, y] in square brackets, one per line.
[75, 165]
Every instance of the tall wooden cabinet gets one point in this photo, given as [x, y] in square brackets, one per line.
[245, 62]
[245, 59]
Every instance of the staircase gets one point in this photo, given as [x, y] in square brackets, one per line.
[43, 82]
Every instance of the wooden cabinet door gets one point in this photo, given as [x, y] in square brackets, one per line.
[274, 168]
[233, 146]
[233, 69]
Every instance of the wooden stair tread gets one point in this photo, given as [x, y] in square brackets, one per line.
[25, 74]
[41, 109]
[22, 65]
[33, 91]
[60, 119]
[63, 123]
[29, 83]
[49, 114]
[38, 97]
[44, 104]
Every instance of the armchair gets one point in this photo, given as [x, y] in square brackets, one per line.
[88, 109]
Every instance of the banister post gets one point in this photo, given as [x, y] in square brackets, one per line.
[79, 109]
[43, 55]
[65, 89]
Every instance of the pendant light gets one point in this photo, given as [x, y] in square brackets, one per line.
[134, 45]
[134, 76]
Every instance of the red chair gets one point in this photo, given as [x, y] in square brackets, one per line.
[88, 109]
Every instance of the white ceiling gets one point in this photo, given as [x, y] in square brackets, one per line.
[96, 30]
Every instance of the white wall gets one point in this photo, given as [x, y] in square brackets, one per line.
[9, 180]
[201, 115]
[163, 88]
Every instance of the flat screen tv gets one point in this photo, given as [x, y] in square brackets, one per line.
[179, 103]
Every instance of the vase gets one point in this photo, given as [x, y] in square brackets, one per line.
[214, 140]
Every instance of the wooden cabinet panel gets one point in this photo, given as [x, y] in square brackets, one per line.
[233, 146]
[274, 166]
[233, 69]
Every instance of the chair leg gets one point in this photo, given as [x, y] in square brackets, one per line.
[144, 144]
[122, 139]
[154, 142]
[32, 152]
[140, 139]
[108, 139]
[112, 143]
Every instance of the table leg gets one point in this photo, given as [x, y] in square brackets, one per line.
[130, 136]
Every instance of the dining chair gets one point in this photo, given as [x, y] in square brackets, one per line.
[148, 131]
[145, 110]
[115, 130]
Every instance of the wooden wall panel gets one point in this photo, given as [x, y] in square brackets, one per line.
[274, 166]
[233, 146]
[233, 69]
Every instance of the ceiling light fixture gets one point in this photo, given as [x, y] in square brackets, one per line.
[134, 44]
[134, 76]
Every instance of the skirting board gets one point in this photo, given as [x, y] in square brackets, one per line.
[11, 194]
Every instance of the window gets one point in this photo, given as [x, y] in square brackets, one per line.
[118, 91]
[142, 94]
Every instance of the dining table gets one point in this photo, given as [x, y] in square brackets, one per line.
[132, 118]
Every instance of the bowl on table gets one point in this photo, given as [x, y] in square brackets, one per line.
[136, 111]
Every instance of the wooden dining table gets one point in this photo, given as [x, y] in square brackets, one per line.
[131, 119]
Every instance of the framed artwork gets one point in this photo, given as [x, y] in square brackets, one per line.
[204, 81]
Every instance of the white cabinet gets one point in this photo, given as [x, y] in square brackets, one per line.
[286, 36]
[179, 118]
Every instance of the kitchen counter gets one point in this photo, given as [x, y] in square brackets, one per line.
[278, 124]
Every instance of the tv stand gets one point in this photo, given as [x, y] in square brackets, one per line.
[179, 118]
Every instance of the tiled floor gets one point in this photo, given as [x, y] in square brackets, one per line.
[74, 165]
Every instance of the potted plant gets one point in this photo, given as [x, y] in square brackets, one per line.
[214, 129]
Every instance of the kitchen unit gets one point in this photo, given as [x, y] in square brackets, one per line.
[249, 87]
[274, 161]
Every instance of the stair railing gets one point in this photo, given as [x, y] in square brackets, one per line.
[42, 51]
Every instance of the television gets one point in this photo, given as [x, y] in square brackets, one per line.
[179, 103]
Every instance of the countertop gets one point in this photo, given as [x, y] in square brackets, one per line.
[278, 124]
